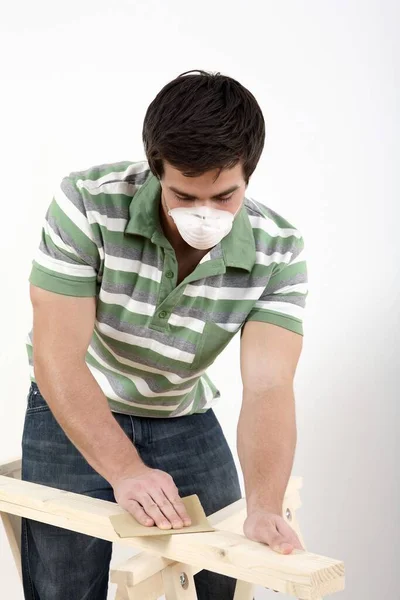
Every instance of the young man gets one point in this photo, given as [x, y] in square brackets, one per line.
[144, 274]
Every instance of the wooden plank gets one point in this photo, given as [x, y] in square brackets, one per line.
[121, 593]
[300, 574]
[10, 467]
[138, 568]
[244, 591]
[12, 528]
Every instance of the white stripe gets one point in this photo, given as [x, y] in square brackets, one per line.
[59, 266]
[283, 308]
[119, 176]
[300, 258]
[133, 306]
[112, 395]
[73, 213]
[117, 263]
[210, 400]
[223, 293]
[139, 382]
[232, 327]
[112, 224]
[271, 228]
[205, 258]
[187, 409]
[288, 289]
[153, 345]
[172, 377]
[276, 257]
[114, 187]
[188, 322]
[57, 241]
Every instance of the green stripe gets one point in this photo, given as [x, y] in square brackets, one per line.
[61, 284]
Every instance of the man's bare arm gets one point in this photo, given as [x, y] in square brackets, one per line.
[266, 437]
[62, 330]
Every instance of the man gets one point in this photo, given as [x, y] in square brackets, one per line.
[144, 274]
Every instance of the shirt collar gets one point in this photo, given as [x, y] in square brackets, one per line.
[238, 247]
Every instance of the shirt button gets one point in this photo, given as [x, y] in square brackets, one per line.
[169, 274]
[163, 314]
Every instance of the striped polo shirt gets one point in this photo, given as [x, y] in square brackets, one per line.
[153, 339]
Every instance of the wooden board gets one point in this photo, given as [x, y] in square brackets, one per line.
[301, 574]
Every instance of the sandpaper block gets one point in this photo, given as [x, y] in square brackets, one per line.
[125, 524]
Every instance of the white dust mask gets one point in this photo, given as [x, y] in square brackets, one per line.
[202, 227]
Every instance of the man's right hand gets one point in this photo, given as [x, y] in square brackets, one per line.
[152, 497]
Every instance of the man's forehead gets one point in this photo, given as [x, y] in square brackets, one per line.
[208, 183]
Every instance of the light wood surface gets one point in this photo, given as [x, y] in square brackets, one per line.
[302, 574]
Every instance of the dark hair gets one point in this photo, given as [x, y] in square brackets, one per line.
[202, 122]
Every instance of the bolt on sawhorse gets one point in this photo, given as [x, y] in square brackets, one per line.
[168, 563]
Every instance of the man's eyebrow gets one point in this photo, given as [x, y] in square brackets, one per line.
[191, 197]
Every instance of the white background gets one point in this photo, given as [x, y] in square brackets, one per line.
[76, 79]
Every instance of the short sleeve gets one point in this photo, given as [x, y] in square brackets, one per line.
[68, 260]
[283, 301]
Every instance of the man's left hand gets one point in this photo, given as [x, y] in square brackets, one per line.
[269, 528]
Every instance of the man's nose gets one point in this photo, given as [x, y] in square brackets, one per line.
[199, 203]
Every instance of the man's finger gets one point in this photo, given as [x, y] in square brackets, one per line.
[152, 509]
[167, 508]
[137, 511]
[177, 503]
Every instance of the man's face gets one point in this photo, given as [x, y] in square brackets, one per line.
[225, 193]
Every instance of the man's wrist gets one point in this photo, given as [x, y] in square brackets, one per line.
[130, 468]
[257, 502]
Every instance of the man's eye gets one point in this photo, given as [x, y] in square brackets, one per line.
[222, 200]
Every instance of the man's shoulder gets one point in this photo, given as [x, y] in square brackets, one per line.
[128, 172]
[264, 220]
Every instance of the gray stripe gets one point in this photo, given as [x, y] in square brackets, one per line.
[67, 239]
[129, 290]
[299, 300]
[113, 211]
[293, 280]
[164, 338]
[277, 244]
[149, 255]
[216, 252]
[233, 281]
[73, 194]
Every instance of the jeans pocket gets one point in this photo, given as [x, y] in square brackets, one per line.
[35, 402]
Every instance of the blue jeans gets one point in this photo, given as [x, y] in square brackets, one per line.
[59, 564]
